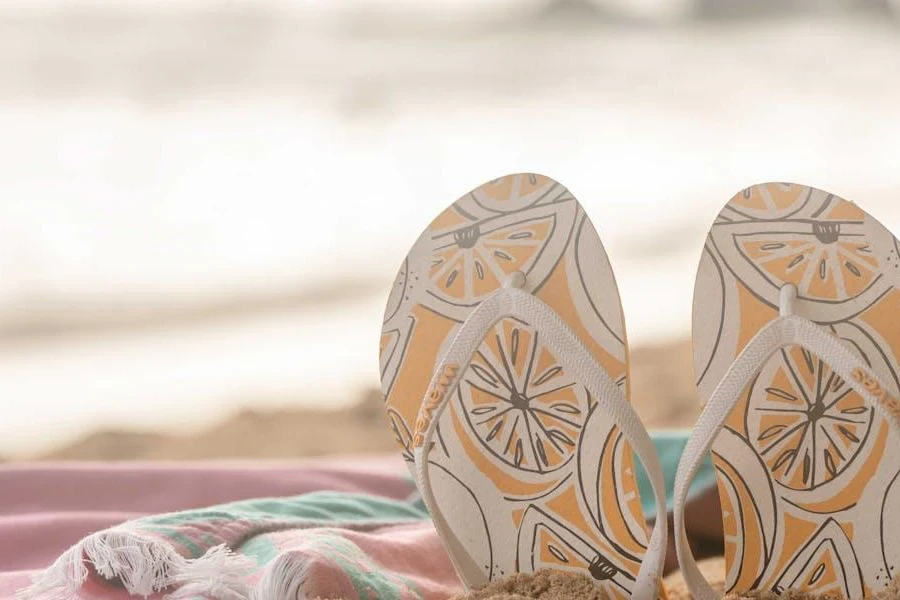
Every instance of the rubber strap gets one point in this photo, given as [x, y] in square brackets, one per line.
[786, 330]
[577, 358]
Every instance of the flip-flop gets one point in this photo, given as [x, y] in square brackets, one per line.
[797, 354]
[503, 362]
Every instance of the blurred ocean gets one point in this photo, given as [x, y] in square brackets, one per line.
[203, 205]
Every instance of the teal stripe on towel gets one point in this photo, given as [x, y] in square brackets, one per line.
[669, 446]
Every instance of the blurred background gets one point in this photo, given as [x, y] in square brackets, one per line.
[203, 203]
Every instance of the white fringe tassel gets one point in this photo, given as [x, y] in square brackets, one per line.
[284, 578]
[144, 565]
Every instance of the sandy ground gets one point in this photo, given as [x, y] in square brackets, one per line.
[663, 392]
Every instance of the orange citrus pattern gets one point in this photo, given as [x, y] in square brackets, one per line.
[804, 464]
[526, 473]
[521, 402]
[807, 424]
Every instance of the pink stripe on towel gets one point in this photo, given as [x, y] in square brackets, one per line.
[46, 508]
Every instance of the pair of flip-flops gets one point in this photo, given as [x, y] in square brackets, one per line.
[504, 368]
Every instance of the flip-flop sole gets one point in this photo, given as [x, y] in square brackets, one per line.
[526, 473]
[807, 471]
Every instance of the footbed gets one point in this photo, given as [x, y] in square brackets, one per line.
[807, 471]
[525, 472]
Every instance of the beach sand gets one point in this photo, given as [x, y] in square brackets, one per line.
[663, 393]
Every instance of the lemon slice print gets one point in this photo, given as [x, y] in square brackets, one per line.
[826, 565]
[835, 254]
[472, 261]
[748, 512]
[508, 415]
[769, 201]
[804, 463]
[465, 258]
[609, 485]
[516, 192]
[805, 422]
[520, 402]
[830, 264]
[547, 543]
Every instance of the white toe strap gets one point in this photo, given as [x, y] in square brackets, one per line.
[578, 359]
[787, 330]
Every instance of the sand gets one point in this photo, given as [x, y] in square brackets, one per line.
[550, 585]
[663, 392]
